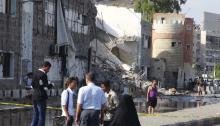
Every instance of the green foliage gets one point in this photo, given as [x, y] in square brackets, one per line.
[217, 71]
[149, 7]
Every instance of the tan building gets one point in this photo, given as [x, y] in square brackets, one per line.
[172, 45]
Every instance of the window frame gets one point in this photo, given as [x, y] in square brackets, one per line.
[11, 68]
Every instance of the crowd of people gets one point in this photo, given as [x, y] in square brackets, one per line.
[91, 106]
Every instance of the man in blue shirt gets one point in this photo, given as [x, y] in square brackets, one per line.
[90, 103]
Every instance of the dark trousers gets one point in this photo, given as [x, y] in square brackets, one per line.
[39, 113]
[89, 118]
[106, 123]
[70, 121]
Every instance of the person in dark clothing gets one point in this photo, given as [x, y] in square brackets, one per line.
[39, 96]
[126, 114]
[28, 81]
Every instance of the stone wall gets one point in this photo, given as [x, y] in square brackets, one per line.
[10, 42]
[44, 36]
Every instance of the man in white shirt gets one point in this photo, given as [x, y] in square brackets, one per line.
[68, 100]
[90, 103]
[111, 104]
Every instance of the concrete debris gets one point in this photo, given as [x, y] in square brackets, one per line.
[116, 49]
[123, 79]
[172, 91]
[104, 54]
[126, 67]
[120, 79]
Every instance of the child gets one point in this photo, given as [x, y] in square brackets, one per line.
[152, 94]
[68, 100]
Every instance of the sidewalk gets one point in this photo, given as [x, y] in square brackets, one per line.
[202, 116]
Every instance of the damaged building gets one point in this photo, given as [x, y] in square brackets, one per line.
[126, 38]
[59, 31]
[130, 44]
[76, 36]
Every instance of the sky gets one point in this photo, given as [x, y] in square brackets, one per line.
[195, 8]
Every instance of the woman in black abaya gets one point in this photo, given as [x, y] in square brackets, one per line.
[126, 114]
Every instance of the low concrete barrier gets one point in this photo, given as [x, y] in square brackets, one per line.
[23, 93]
[7, 93]
[17, 93]
[1, 94]
[53, 92]
[60, 91]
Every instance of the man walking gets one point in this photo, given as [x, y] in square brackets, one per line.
[40, 85]
[90, 103]
[111, 104]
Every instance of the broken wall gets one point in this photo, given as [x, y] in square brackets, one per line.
[112, 20]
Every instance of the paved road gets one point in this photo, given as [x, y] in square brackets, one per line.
[201, 116]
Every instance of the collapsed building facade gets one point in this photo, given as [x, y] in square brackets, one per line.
[128, 46]
[131, 44]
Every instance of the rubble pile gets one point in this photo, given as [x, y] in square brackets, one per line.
[120, 78]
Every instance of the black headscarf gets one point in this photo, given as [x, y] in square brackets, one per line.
[126, 114]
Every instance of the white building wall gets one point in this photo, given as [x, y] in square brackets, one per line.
[168, 23]
[118, 21]
[203, 47]
[211, 22]
[2, 6]
[55, 71]
[72, 18]
[27, 34]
